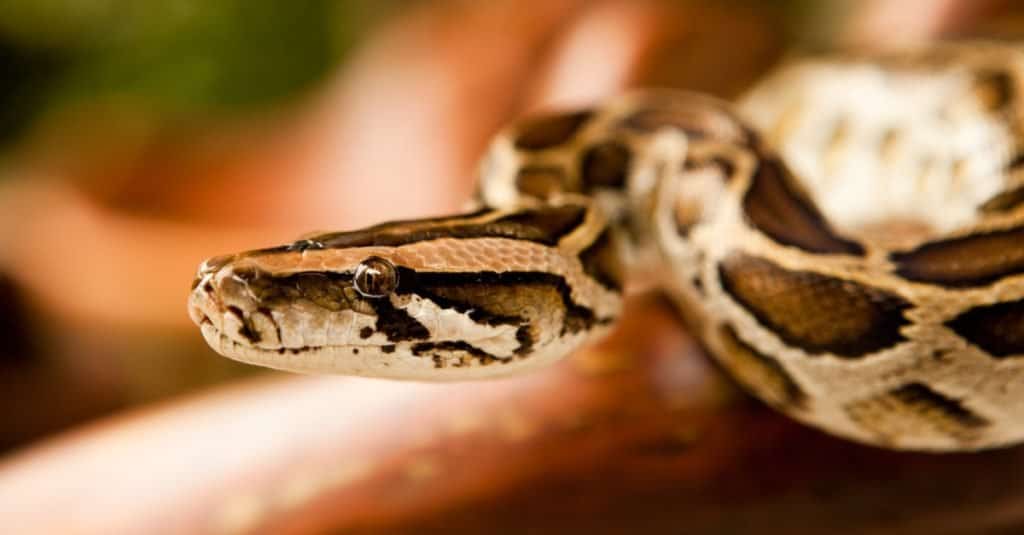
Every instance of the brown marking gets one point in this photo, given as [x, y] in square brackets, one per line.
[697, 118]
[483, 357]
[994, 89]
[717, 164]
[396, 323]
[774, 206]
[915, 410]
[540, 182]
[366, 332]
[546, 225]
[815, 312]
[509, 297]
[967, 261]
[525, 339]
[1005, 201]
[1015, 163]
[601, 261]
[549, 130]
[388, 348]
[997, 329]
[762, 374]
[605, 165]
[246, 330]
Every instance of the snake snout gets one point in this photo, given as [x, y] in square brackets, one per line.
[221, 305]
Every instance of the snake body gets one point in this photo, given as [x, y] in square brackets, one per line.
[847, 241]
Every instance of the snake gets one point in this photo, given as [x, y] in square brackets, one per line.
[846, 240]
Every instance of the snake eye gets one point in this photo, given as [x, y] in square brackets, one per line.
[305, 245]
[375, 277]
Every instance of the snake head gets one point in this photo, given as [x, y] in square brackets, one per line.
[440, 308]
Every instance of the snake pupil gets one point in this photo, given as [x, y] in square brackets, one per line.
[375, 277]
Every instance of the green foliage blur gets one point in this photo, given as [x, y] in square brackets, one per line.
[175, 57]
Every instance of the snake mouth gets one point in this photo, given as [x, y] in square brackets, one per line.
[370, 360]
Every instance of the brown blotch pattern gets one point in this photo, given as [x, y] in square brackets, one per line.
[776, 208]
[761, 373]
[698, 119]
[602, 261]
[449, 347]
[997, 329]
[967, 261]
[246, 330]
[396, 323]
[814, 312]
[540, 182]
[1015, 163]
[544, 225]
[916, 410]
[605, 165]
[1005, 201]
[550, 130]
[995, 89]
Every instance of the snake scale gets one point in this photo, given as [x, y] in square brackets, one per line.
[847, 240]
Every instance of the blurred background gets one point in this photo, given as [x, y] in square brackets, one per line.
[141, 137]
[138, 138]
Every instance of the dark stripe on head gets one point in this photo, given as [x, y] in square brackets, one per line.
[605, 165]
[396, 323]
[814, 312]
[774, 206]
[328, 290]
[550, 130]
[500, 296]
[482, 303]
[331, 291]
[601, 260]
[973, 260]
[916, 409]
[761, 374]
[997, 329]
[546, 225]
